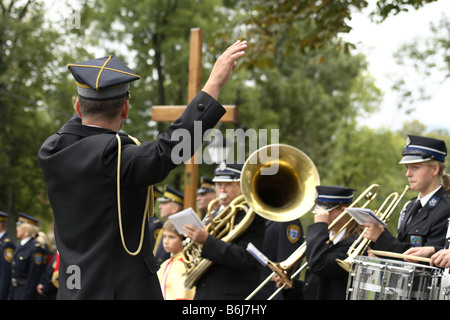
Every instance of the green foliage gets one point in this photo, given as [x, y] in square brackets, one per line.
[297, 76]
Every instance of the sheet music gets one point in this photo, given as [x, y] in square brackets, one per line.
[187, 216]
[363, 215]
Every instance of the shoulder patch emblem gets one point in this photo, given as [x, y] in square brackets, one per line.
[293, 233]
[38, 258]
[8, 254]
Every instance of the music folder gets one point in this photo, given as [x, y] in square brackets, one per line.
[363, 215]
[186, 216]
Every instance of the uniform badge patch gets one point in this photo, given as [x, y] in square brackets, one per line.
[38, 259]
[293, 233]
[433, 201]
[8, 254]
[416, 241]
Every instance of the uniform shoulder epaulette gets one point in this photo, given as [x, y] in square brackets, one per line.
[40, 245]
[446, 198]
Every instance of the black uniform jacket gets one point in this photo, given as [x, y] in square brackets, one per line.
[281, 239]
[80, 167]
[325, 279]
[234, 272]
[7, 247]
[28, 265]
[427, 228]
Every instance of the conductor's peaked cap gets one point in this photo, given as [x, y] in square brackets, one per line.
[103, 78]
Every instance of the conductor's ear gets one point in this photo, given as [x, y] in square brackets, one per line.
[78, 109]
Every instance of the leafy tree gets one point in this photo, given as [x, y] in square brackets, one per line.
[33, 103]
[428, 58]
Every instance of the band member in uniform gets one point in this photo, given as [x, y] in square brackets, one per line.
[170, 203]
[234, 272]
[325, 279]
[29, 260]
[7, 247]
[98, 179]
[205, 194]
[423, 220]
[281, 239]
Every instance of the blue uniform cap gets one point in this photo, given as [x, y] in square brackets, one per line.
[334, 194]
[227, 172]
[206, 185]
[3, 216]
[171, 194]
[420, 149]
[103, 78]
[25, 218]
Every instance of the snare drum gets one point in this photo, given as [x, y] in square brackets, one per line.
[373, 278]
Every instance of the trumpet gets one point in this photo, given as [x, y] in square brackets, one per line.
[361, 244]
[286, 268]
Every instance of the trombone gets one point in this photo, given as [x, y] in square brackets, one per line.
[285, 269]
[360, 245]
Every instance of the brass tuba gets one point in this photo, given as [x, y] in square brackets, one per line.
[277, 182]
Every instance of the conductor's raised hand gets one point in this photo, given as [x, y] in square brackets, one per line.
[222, 68]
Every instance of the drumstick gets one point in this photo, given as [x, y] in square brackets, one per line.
[398, 255]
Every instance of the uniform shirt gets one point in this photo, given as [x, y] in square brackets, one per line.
[171, 276]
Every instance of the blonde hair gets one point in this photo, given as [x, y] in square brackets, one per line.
[445, 176]
[43, 239]
[168, 226]
[30, 230]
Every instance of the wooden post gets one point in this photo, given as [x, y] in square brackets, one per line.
[171, 113]
[195, 78]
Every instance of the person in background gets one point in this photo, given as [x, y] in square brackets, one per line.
[172, 272]
[205, 194]
[7, 247]
[170, 203]
[29, 260]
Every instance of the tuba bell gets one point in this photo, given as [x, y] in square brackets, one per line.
[283, 194]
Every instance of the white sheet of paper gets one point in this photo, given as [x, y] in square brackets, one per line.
[363, 215]
[187, 216]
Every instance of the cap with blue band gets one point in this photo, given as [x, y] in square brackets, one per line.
[420, 149]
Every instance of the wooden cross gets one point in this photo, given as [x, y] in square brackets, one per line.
[171, 113]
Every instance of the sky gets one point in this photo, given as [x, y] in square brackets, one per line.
[379, 42]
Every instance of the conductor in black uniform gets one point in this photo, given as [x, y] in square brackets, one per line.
[234, 272]
[7, 247]
[98, 180]
[423, 220]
